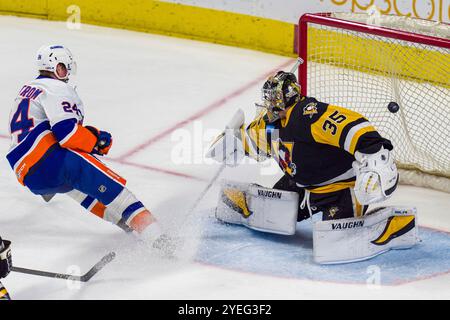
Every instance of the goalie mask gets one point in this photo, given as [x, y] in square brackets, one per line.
[279, 92]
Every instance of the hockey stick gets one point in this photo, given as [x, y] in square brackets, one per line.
[297, 63]
[210, 184]
[83, 278]
[233, 124]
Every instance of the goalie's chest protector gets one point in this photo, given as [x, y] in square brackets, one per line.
[294, 146]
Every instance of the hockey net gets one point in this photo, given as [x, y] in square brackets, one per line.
[364, 63]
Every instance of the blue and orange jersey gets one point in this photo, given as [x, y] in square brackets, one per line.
[46, 114]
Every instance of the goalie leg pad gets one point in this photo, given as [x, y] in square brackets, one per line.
[356, 239]
[259, 208]
[4, 295]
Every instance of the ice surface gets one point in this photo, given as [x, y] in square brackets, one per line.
[142, 88]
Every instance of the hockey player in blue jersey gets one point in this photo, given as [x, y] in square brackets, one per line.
[54, 152]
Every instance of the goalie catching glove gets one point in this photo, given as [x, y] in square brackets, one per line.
[376, 176]
[227, 147]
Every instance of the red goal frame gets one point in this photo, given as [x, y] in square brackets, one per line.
[327, 20]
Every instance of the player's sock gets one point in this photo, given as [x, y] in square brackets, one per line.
[89, 203]
[127, 209]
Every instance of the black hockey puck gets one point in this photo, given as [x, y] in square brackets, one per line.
[393, 107]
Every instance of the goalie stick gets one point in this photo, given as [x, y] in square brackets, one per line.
[210, 184]
[83, 278]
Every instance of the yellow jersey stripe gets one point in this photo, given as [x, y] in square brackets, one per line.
[325, 136]
[333, 187]
[256, 132]
[331, 124]
[356, 137]
[351, 134]
[285, 121]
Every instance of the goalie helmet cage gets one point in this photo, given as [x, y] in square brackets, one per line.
[365, 67]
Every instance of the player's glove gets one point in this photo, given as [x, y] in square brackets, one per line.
[5, 258]
[104, 141]
[376, 176]
[227, 147]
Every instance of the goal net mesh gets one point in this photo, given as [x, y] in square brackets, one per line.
[367, 72]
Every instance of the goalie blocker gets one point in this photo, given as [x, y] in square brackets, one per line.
[334, 241]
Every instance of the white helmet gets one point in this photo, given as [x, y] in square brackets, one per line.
[48, 57]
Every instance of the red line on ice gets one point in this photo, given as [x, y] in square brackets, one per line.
[152, 168]
[213, 106]
[144, 167]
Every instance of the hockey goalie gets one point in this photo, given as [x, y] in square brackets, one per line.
[335, 163]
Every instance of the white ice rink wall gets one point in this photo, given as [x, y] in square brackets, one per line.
[265, 25]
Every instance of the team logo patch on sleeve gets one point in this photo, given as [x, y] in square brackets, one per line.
[395, 227]
[310, 109]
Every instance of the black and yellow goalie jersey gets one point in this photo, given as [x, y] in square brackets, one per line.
[314, 144]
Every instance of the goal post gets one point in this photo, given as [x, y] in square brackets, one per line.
[366, 63]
